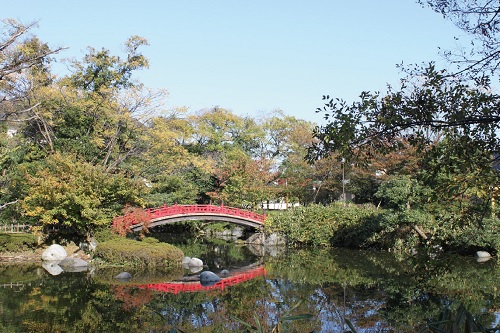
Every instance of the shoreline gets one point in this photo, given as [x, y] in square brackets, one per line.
[35, 256]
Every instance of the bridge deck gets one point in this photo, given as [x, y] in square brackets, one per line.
[176, 213]
[204, 209]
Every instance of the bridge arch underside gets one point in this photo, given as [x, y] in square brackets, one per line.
[201, 217]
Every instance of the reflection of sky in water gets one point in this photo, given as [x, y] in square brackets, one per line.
[332, 315]
[497, 320]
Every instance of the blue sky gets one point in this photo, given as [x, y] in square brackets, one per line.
[251, 57]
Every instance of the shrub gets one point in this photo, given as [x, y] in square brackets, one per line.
[127, 252]
[105, 234]
[150, 240]
[18, 242]
[318, 225]
[351, 226]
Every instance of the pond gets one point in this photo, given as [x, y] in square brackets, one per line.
[303, 290]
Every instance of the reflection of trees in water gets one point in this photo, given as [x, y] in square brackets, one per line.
[373, 290]
[382, 288]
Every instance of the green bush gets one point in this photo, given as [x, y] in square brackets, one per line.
[356, 226]
[127, 252]
[105, 234]
[18, 242]
[318, 225]
[150, 240]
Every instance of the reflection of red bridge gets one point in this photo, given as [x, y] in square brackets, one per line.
[176, 213]
[181, 287]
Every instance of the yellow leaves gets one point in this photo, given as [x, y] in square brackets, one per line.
[35, 211]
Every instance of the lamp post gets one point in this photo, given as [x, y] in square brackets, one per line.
[343, 180]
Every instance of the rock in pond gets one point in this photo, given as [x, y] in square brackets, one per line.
[74, 265]
[54, 252]
[208, 278]
[123, 276]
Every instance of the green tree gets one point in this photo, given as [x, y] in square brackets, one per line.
[284, 147]
[174, 173]
[448, 123]
[23, 65]
[75, 195]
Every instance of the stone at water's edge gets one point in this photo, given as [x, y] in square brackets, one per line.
[256, 239]
[54, 252]
[74, 265]
[482, 256]
[237, 232]
[274, 239]
[123, 276]
[195, 262]
[208, 278]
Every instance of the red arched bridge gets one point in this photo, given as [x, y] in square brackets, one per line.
[183, 287]
[177, 213]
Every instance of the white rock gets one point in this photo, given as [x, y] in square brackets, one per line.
[54, 252]
[195, 262]
[186, 260]
[195, 269]
[52, 267]
[482, 254]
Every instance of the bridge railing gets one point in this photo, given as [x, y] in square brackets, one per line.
[179, 287]
[203, 209]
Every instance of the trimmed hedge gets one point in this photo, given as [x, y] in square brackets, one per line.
[18, 242]
[127, 252]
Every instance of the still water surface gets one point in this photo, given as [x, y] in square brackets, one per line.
[375, 291]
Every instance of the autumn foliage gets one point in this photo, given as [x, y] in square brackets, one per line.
[131, 216]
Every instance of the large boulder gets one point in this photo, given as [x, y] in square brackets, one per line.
[54, 252]
[195, 262]
[237, 232]
[256, 239]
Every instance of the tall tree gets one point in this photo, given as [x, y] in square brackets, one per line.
[480, 19]
[284, 146]
[24, 61]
